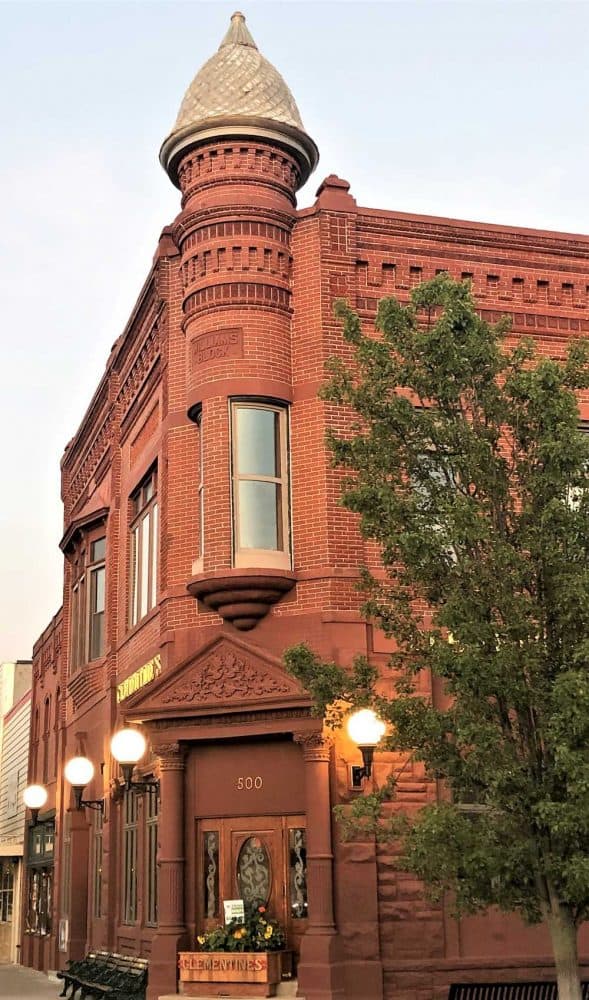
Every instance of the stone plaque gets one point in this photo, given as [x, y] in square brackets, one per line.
[216, 346]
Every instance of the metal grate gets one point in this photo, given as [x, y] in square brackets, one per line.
[509, 991]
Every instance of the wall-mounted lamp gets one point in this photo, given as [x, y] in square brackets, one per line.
[35, 797]
[365, 729]
[79, 771]
[128, 747]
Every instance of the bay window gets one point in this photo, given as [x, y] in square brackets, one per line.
[260, 494]
[144, 548]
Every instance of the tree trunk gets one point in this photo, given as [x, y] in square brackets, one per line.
[563, 933]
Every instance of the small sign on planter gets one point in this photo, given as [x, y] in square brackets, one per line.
[234, 910]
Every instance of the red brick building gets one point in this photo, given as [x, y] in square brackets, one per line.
[202, 535]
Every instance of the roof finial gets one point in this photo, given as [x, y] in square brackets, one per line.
[238, 33]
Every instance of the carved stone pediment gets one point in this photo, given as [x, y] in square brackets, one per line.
[225, 675]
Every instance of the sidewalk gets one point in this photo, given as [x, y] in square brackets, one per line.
[20, 983]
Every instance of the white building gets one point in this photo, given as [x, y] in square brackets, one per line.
[15, 715]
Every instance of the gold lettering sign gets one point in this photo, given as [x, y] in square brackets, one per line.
[148, 672]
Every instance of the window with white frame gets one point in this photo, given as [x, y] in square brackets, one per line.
[261, 530]
[144, 548]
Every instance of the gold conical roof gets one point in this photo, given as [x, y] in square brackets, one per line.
[239, 87]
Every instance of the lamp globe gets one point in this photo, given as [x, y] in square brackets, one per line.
[365, 728]
[79, 771]
[35, 796]
[128, 746]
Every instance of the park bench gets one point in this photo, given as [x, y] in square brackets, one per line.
[104, 974]
[509, 991]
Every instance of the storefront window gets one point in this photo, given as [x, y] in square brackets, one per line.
[40, 878]
[6, 891]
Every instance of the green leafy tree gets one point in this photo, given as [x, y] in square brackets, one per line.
[467, 465]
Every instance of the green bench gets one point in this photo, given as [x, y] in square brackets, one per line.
[103, 974]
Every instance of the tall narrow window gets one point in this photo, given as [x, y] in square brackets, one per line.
[78, 615]
[56, 732]
[151, 822]
[46, 729]
[129, 857]
[260, 485]
[97, 864]
[97, 598]
[66, 868]
[144, 548]
[88, 603]
[201, 491]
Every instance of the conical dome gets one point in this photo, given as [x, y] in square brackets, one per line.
[238, 93]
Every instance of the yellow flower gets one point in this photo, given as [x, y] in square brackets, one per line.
[201, 939]
[268, 932]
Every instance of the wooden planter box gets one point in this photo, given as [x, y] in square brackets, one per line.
[229, 973]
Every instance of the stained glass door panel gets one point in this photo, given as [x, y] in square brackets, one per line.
[260, 859]
[256, 863]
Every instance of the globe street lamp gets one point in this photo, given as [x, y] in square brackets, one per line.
[128, 747]
[79, 771]
[366, 730]
[35, 797]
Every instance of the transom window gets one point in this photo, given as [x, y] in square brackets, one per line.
[144, 548]
[260, 485]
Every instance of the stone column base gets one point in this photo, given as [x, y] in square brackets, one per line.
[163, 963]
[320, 970]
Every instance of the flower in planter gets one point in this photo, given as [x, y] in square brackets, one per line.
[256, 933]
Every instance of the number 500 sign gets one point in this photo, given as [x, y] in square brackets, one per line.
[247, 782]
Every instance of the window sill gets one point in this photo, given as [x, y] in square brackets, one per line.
[241, 596]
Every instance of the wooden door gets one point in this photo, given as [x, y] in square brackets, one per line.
[260, 859]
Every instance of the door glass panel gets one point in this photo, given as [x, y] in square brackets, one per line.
[253, 872]
[211, 870]
[297, 872]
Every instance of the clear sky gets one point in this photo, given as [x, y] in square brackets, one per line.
[473, 109]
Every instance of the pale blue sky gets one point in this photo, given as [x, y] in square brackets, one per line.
[474, 109]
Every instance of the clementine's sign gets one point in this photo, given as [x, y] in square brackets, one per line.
[139, 678]
[217, 962]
